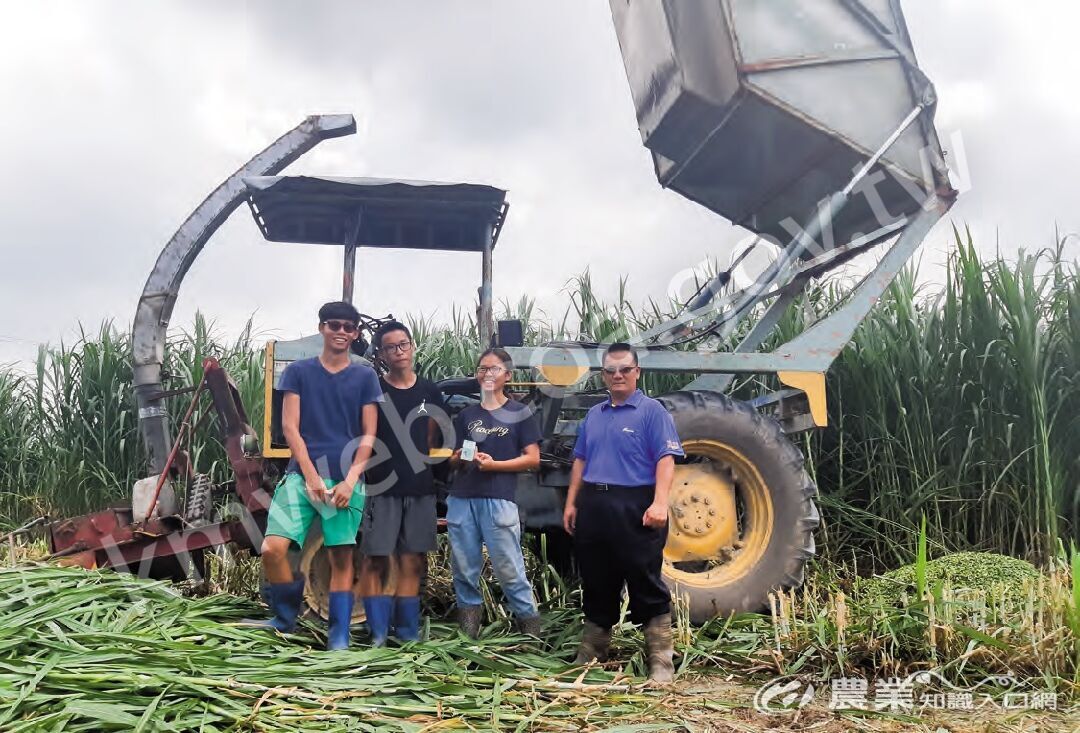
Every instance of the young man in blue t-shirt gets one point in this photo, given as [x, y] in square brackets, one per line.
[329, 417]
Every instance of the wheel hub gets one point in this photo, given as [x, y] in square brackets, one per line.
[702, 514]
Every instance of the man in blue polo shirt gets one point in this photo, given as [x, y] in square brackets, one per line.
[617, 511]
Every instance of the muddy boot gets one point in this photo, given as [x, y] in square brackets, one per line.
[530, 625]
[659, 649]
[594, 644]
[469, 619]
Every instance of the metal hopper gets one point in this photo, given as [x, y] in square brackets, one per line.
[760, 109]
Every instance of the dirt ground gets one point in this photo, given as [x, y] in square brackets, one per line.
[727, 706]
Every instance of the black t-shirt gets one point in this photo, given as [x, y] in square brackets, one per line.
[399, 464]
[503, 434]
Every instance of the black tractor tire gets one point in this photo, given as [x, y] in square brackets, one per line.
[701, 415]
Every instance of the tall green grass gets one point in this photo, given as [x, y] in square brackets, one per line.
[960, 404]
[957, 400]
[69, 438]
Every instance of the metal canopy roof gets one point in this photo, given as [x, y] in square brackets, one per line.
[458, 217]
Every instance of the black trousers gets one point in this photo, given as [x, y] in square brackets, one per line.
[613, 548]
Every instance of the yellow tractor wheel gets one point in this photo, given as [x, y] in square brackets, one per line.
[741, 510]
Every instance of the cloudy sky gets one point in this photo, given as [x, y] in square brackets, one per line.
[120, 116]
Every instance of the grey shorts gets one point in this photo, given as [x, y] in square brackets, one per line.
[398, 524]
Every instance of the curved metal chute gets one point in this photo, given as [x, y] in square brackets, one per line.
[162, 287]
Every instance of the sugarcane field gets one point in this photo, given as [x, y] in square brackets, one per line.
[585, 365]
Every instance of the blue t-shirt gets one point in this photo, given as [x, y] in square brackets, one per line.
[503, 434]
[622, 444]
[330, 408]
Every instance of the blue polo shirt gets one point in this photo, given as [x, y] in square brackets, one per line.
[621, 444]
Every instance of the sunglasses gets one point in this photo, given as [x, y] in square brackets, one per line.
[624, 370]
[346, 326]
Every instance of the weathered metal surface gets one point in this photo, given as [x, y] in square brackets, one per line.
[661, 360]
[390, 212]
[812, 351]
[755, 338]
[487, 317]
[137, 555]
[759, 109]
[112, 538]
[831, 334]
[234, 427]
[163, 285]
[94, 541]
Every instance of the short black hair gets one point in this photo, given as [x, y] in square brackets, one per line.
[386, 328]
[339, 310]
[621, 347]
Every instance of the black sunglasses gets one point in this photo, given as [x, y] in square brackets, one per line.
[625, 370]
[346, 326]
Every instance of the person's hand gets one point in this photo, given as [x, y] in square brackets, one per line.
[484, 462]
[316, 490]
[569, 518]
[655, 516]
[342, 494]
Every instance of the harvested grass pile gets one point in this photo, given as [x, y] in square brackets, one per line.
[95, 651]
[997, 575]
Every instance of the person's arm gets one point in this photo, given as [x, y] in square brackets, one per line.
[369, 419]
[664, 445]
[570, 510]
[459, 439]
[527, 437]
[657, 513]
[529, 460]
[577, 476]
[437, 407]
[290, 425]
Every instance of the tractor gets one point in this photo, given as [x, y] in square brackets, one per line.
[808, 124]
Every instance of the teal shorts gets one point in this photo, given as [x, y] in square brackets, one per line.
[291, 513]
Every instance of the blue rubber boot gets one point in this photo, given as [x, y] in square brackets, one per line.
[284, 600]
[407, 618]
[378, 610]
[337, 632]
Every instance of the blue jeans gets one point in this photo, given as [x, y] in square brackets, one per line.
[473, 523]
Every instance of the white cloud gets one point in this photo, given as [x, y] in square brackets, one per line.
[121, 116]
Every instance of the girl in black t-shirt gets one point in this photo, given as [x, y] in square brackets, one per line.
[503, 441]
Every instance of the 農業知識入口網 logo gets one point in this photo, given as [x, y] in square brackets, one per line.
[913, 694]
[783, 695]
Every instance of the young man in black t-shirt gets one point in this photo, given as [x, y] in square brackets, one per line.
[399, 518]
